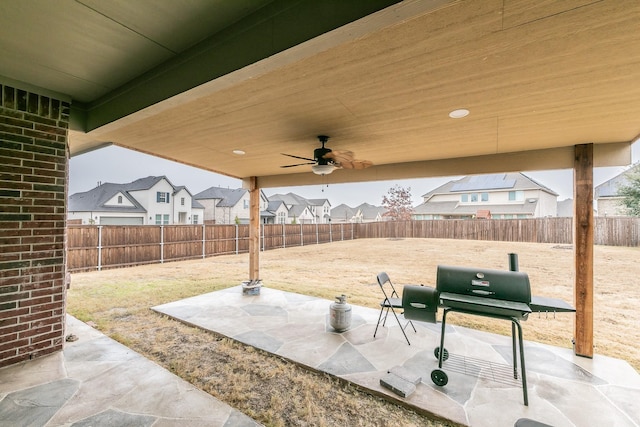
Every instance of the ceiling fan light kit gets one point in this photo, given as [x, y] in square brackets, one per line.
[322, 169]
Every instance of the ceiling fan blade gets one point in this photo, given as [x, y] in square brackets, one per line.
[356, 164]
[299, 164]
[298, 157]
[339, 156]
[362, 164]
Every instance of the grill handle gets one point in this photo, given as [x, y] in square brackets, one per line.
[482, 292]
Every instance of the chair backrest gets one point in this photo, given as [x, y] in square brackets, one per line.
[383, 279]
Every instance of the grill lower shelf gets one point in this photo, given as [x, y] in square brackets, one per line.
[481, 369]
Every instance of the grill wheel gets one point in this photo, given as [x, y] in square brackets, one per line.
[445, 353]
[439, 377]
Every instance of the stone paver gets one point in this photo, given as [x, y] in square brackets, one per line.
[564, 390]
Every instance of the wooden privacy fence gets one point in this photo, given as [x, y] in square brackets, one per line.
[539, 230]
[608, 231]
[95, 247]
[91, 247]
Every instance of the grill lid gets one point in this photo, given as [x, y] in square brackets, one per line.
[484, 283]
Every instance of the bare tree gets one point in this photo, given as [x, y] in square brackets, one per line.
[397, 201]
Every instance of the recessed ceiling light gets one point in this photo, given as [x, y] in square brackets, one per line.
[458, 114]
[239, 152]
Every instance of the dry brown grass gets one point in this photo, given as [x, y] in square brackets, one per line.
[276, 392]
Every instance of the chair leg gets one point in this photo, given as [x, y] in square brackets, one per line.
[378, 324]
[401, 328]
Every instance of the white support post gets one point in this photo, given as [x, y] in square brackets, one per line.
[99, 248]
[162, 244]
[204, 240]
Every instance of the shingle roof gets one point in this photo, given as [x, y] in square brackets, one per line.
[94, 200]
[289, 199]
[452, 208]
[370, 211]
[610, 188]
[228, 197]
[342, 212]
[318, 202]
[502, 181]
[275, 204]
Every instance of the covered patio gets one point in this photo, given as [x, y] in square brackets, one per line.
[417, 88]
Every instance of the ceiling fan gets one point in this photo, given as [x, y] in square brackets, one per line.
[325, 160]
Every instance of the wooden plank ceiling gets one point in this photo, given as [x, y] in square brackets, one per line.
[537, 77]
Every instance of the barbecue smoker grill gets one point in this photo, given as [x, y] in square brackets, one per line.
[498, 294]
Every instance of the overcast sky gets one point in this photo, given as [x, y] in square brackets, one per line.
[119, 165]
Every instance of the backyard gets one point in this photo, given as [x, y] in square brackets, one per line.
[281, 393]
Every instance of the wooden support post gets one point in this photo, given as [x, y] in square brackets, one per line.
[583, 249]
[254, 229]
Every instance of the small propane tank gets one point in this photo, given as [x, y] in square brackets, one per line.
[340, 314]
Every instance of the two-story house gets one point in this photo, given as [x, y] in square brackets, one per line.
[497, 196]
[362, 213]
[150, 200]
[608, 201]
[279, 211]
[304, 211]
[230, 205]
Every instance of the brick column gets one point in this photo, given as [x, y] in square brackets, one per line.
[33, 187]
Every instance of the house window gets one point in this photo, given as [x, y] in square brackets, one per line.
[516, 196]
[162, 219]
[119, 200]
[162, 197]
[182, 201]
[484, 197]
[464, 198]
[246, 204]
[474, 197]
[195, 219]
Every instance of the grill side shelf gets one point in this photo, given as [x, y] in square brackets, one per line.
[550, 305]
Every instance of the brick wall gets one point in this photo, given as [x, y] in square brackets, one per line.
[33, 182]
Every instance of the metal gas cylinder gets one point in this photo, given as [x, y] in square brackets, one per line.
[340, 314]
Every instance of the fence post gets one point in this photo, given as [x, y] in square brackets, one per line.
[204, 234]
[317, 236]
[284, 236]
[162, 244]
[330, 235]
[342, 232]
[236, 239]
[99, 248]
[301, 236]
[262, 235]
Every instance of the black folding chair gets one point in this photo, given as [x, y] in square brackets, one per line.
[391, 301]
